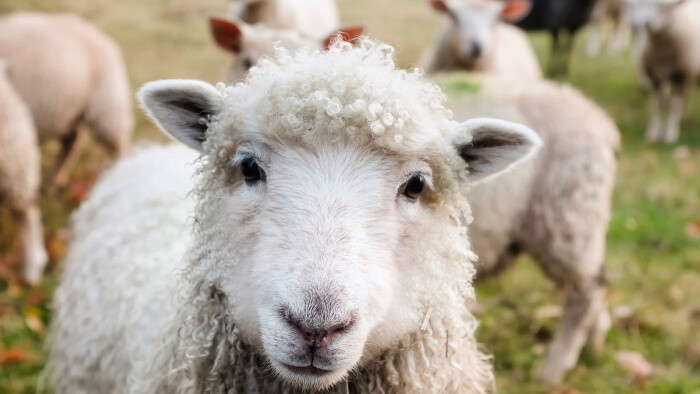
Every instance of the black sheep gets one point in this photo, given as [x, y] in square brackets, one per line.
[562, 19]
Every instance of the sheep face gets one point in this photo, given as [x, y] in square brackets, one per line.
[473, 22]
[651, 15]
[317, 229]
[251, 42]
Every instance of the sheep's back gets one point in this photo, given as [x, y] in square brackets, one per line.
[118, 284]
[19, 153]
[55, 62]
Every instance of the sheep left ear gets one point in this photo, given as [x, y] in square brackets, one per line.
[181, 108]
[515, 10]
[344, 34]
[490, 146]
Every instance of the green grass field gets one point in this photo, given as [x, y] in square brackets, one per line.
[653, 257]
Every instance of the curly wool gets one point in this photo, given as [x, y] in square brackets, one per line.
[196, 345]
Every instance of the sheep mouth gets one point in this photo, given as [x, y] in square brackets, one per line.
[307, 370]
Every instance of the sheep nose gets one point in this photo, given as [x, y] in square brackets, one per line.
[316, 335]
[476, 49]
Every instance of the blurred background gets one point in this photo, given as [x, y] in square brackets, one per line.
[653, 256]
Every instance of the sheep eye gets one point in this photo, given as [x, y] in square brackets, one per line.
[251, 171]
[414, 186]
[247, 63]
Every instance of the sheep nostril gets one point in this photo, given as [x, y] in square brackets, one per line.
[476, 49]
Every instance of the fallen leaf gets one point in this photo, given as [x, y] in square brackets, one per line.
[58, 244]
[13, 355]
[692, 229]
[78, 191]
[547, 312]
[636, 364]
[33, 320]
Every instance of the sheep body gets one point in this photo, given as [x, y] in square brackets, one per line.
[20, 175]
[670, 60]
[185, 286]
[69, 74]
[310, 18]
[555, 208]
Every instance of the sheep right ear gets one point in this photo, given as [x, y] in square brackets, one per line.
[181, 108]
[343, 34]
[228, 35]
[515, 10]
[440, 5]
[490, 146]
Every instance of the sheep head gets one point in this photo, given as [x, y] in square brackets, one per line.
[251, 42]
[472, 21]
[651, 15]
[331, 202]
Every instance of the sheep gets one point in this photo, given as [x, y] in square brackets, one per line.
[555, 207]
[474, 39]
[324, 245]
[309, 18]
[20, 175]
[70, 74]
[251, 42]
[558, 17]
[670, 61]
[608, 14]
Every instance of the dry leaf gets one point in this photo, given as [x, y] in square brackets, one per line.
[547, 312]
[33, 320]
[636, 364]
[13, 355]
[692, 229]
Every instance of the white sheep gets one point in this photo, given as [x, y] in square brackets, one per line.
[250, 43]
[70, 74]
[554, 208]
[670, 60]
[608, 25]
[325, 246]
[309, 18]
[20, 175]
[475, 39]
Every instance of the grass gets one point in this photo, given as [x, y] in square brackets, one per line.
[653, 257]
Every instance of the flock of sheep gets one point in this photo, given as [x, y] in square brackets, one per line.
[321, 230]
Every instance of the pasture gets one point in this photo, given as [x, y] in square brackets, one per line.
[653, 256]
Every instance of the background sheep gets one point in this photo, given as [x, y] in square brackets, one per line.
[608, 25]
[251, 42]
[309, 18]
[20, 175]
[328, 244]
[555, 208]
[474, 39]
[561, 19]
[69, 74]
[670, 60]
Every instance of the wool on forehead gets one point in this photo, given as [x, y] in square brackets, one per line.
[350, 91]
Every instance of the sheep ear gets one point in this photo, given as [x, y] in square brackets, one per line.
[344, 34]
[228, 35]
[490, 146]
[515, 10]
[440, 5]
[181, 108]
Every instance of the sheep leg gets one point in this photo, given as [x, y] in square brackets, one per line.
[582, 315]
[554, 53]
[658, 97]
[675, 115]
[59, 173]
[595, 38]
[620, 37]
[35, 256]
